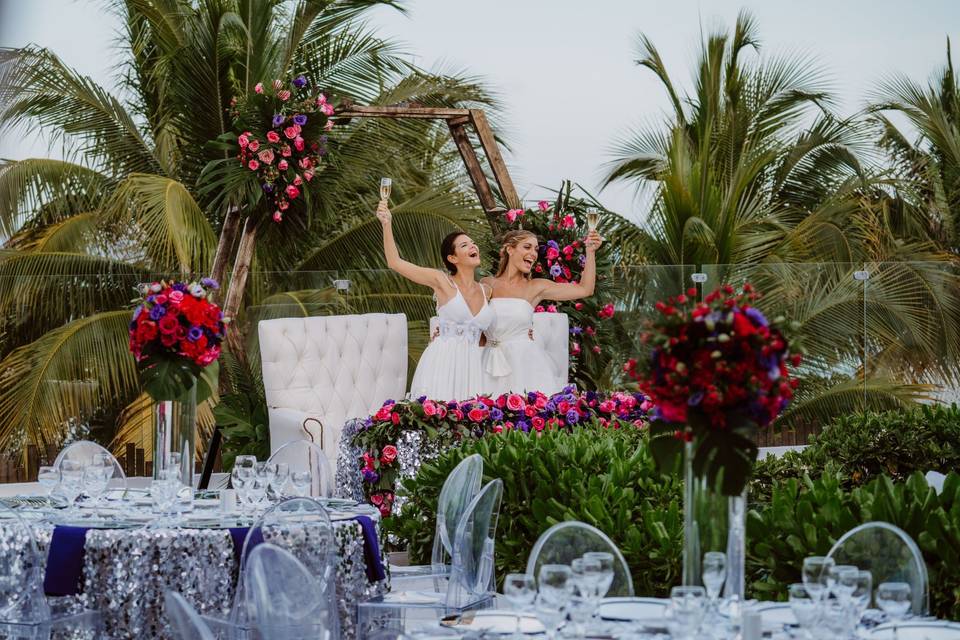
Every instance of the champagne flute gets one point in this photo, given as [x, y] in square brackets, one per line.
[386, 184]
[593, 218]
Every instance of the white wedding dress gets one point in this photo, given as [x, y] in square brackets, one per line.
[512, 362]
[451, 367]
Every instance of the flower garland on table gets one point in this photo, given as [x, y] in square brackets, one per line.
[284, 139]
[449, 423]
[175, 336]
[561, 230]
[717, 372]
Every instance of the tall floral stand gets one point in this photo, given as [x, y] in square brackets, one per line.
[174, 431]
[712, 522]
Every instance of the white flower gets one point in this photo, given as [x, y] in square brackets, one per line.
[155, 287]
[197, 291]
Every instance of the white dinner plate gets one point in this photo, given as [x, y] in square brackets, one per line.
[775, 614]
[932, 630]
[632, 609]
[493, 621]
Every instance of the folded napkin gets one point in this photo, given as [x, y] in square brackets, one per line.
[371, 549]
[65, 561]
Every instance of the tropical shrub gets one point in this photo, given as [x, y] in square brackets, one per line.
[604, 477]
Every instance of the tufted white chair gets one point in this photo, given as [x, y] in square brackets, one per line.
[552, 332]
[327, 370]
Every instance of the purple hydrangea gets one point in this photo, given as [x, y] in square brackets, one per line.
[194, 334]
[422, 399]
[524, 426]
[278, 119]
[210, 283]
[576, 330]
[181, 287]
[300, 119]
[299, 82]
[157, 312]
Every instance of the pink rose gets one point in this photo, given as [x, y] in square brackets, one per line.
[515, 402]
[277, 85]
[298, 143]
[254, 145]
[539, 308]
[430, 408]
[552, 254]
[277, 216]
[243, 141]
[305, 163]
[308, 175]
[290, 133]
[575, 348]
[176, 297]
[567, 222]
[543, 205]
[253, 165]
[497, 428]
[327, 109]
[282, 165]
[283, 205]
[286, 151]
[563, 406]
[476, 414]
[388, 454]
[384, 412]
[266, 156]
[578, 306]
[292, 192]
[297, 180]
[607, 406]
[321, 99]
[258, 88]
[441, 411]
[530, 411]
[551, 308]
[541, 402]
[272, 136]
[457, 415]
[328, 126]
[376, 499]
[596, 348]
[537, 423]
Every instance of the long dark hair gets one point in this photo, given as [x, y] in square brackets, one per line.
[448, 248]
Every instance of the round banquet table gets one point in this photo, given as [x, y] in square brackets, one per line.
[124, 572]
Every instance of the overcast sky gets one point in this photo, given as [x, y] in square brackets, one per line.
[564, 69]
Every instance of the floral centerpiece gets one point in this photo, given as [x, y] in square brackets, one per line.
[175, 336]
[717, 372]
[561, 227]
[280, 137]
[446, 424]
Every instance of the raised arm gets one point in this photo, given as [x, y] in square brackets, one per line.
[421, 275]
[550, 290]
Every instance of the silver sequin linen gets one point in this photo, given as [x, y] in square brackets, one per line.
[127, 571]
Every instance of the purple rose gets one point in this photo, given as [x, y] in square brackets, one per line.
[278, 119]
[573, 417]
[553, 244]
[210, 283]
[496, 415]
[194, 334]
[300, 119]
[371, 476]
[157, 312]
[524, 426]
[299, 82]
[180, 287]
[267, 187]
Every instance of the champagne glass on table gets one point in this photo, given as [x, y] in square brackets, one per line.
[48, 478]
[520, 589]
[71, 483]
[894, 599]
[815, 575]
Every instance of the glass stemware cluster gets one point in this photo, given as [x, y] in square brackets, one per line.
[74, 478]
[565, 592]
[259, 483]
[835, 596]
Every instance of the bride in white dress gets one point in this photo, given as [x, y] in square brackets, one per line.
[451, 365]
[512, 362]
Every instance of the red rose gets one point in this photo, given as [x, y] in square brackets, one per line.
[537, 423]
[169, 324]
[388, 454]
[477, 414]
[376, 499]
[292, 192]
[272, 136]
[168, 339]
[395, 418]
[146, 331]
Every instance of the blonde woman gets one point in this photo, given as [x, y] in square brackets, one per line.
[512, 362]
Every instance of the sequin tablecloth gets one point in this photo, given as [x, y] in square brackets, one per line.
[127, 571]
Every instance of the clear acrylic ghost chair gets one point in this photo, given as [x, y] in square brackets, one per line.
[305, 455]
[470, 585]
[890, 555]
[285, 598]
[303, 527]
[184, 620]
[25, 612]
[83, 451]
[564, 542]
[460, 487]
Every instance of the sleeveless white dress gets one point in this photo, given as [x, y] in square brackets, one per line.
[512, 362]
[451, 365]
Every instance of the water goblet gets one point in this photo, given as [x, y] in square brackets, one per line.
[714, 575]
[71, 483]
[843, 580]
[281, 475]
[894, 599]
[163, 495]
[550, 613]
[48, 478]
[269, 471]
[95, 479]
[862, 593]
[606, 570]
[806, 609]
[520, 590]
[301, 482]
[687, 608]
[587, 574]
[815, 575]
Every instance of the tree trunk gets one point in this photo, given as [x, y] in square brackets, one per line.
[238, 283]
[228, 237]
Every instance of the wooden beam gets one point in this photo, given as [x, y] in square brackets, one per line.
[429, 113]
[492, 151]
[477, 177]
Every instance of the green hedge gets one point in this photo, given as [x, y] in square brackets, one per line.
[605, 477]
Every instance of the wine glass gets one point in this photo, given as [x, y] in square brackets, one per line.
[687, 608]
[520, 590]
[815, 572]
[806, 609]
[606, 570]
[843, 581]
[71, 482]
[386, 185]
[587, 575]
[556, 589]
[280, 477]
[714, 575]
[95, 479]
[862, 593]
[301, 482]
[894, 599]
[593, 217]
[48, 478]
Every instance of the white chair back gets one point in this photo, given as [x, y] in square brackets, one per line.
[472, 572]
[552, 332]
[330, 369]
[185, 621]
[458, 491]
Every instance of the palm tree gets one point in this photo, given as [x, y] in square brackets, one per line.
[753, 170]
[128, 202]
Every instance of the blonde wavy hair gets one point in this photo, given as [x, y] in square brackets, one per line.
[510, 240]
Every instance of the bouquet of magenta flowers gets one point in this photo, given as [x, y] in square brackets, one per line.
[445, 424]
[281, 137]
[716, 373]
[175, 336]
